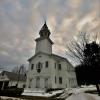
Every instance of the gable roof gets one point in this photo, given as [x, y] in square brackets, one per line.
[54, 56]
[13, 76]
[57, 57]
[37, 54]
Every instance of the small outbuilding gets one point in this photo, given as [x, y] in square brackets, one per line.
[8, 79]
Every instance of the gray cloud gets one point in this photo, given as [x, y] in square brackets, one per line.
[21, 20]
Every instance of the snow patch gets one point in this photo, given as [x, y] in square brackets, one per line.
[83, 96]
[9, 98]
[41, 93]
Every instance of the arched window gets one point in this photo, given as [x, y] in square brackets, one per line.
[39, 67]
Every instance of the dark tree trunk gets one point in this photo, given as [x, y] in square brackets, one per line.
[97, 86]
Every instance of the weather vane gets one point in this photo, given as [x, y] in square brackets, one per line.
[44, 19]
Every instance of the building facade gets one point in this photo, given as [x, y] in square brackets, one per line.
[47, 70]
[9, 79]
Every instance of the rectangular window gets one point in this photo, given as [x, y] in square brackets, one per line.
[60, 80]
[59, 66]
[32, 66]
[46, 64]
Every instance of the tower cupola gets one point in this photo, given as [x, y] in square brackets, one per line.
[44, 43]
[44, 32]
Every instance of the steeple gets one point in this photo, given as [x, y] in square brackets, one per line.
[44, 43]
[44, 32]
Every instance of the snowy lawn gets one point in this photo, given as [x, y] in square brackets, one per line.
[83, 96]
[65, 94]
[41, 93]
[79, 94]
[9, 98]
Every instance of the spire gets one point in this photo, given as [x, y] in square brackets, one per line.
[44, 32]
[44, 43]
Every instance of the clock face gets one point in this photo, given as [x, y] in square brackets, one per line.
[39, 67]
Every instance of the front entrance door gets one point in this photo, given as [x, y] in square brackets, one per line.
[46, 82]
[37, 82]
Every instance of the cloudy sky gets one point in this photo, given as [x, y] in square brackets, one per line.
[21, 20]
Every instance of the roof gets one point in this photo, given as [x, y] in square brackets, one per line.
[36, 55]
[58, 57]
[44, 32]
[13, 76]
[54, 56]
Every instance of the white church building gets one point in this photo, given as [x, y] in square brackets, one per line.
[47, 70]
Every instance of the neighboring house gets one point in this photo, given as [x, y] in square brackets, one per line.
[47, 70]
[8, 79]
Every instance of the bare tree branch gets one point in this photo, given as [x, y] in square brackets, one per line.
[76, 48]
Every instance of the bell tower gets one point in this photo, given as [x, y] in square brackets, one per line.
[44, 43]
[44, 32]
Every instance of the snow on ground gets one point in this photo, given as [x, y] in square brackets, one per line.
[9, 98]
[83, 96]
[80, 89]
[67, 94]
[41, 93]
[68, 91]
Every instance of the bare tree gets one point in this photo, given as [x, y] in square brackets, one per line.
[76, 47]
[15, 69]
[88, 54]
[21, 69]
